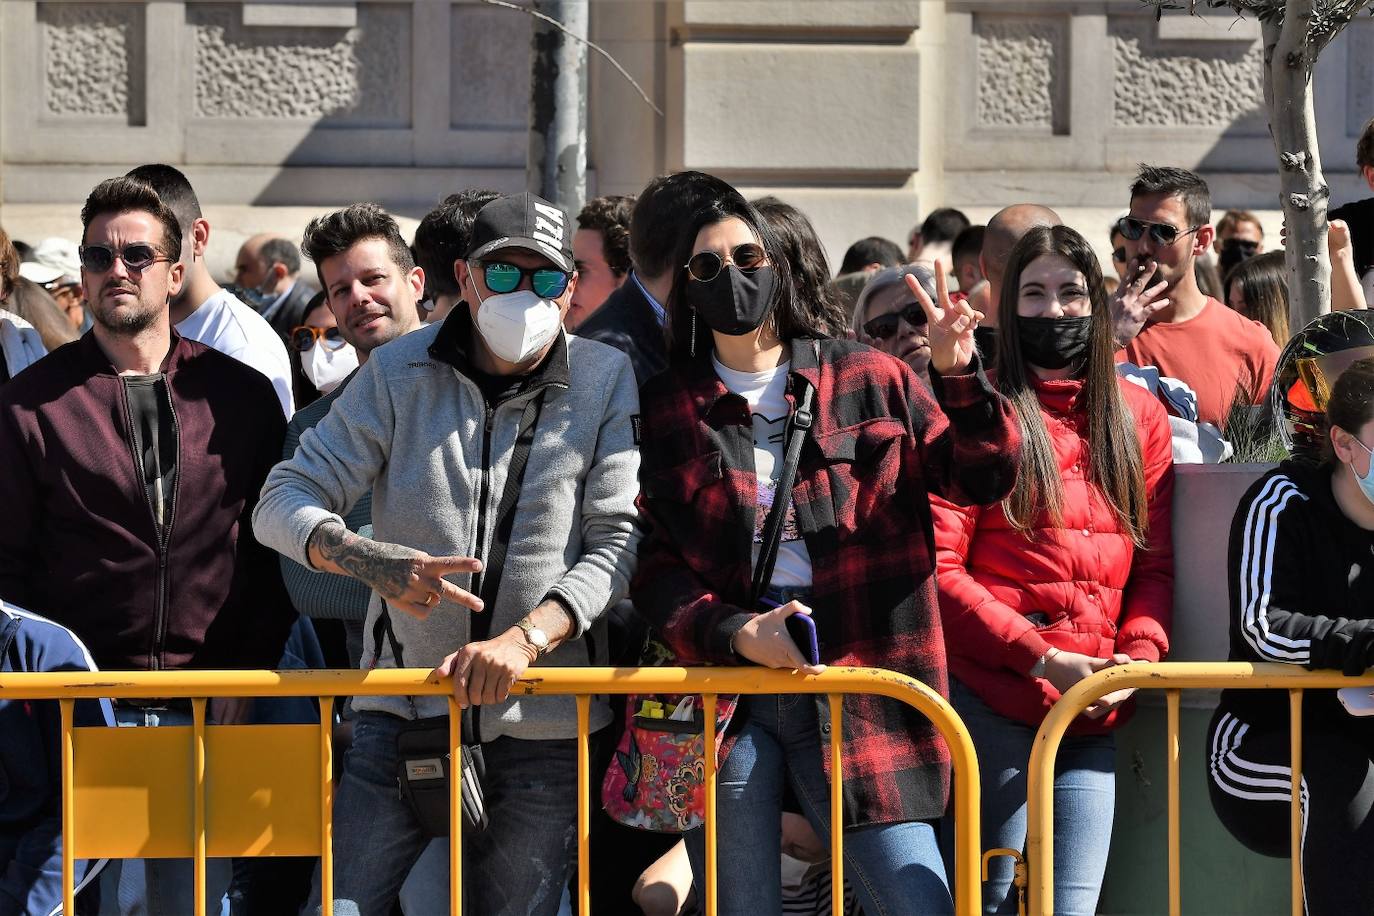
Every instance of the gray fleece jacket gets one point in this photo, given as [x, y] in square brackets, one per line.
[413, 427]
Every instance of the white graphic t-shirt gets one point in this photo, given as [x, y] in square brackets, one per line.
[764, 391]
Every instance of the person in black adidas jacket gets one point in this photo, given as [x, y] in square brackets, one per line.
[1302, 593]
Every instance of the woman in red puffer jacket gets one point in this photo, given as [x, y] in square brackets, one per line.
[1071, 574]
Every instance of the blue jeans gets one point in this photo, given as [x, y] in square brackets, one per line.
[894, 868]
[1084, 802]
[516, 867]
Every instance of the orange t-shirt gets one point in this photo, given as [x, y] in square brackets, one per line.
[1214, 353]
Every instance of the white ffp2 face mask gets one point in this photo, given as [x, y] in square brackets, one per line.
[326, 368]
[517, 325]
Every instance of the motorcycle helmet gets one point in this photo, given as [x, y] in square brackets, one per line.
[1308, 368]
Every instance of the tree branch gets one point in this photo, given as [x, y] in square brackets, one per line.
[595, 47]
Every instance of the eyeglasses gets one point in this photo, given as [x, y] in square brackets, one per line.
[884, 327]
[547, 282]
[137, 257]
[1162, 233]
[1119, 255]
[304, 336]
[706, 265]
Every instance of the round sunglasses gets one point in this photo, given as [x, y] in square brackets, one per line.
[1161, 233]
[137, 256]
[704, 266]
[884, 327]
[303, 337]
[503, 277]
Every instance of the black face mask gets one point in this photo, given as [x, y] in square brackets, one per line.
[1233, 251]
[733, 302]
[1053, 343]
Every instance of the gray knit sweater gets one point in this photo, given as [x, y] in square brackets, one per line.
[410, 427]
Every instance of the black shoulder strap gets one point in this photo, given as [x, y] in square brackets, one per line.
[493, 565]
[798, 428]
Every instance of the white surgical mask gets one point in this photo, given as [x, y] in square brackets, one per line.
[326, 368]
[518, 325]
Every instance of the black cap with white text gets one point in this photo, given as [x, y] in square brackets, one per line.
[523, 221]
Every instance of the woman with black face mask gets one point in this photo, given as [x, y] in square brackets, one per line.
[854, 556]
[1071, 574]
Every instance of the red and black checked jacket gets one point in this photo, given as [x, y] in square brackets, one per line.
[879, 445]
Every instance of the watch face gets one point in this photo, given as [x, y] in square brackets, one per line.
[537, 638]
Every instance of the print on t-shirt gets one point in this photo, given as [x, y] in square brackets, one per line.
[766, 394]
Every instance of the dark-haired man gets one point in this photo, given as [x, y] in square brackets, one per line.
[934, 238]
[870, 254]
[633, 317]
[1359, 216]
[202, 310]
[1222, 355]
[441, 241]
[494, 430]
[601, 253]
[132, 460]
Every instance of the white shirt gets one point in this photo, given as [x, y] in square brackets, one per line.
[232, 328]
[765, 393]
[20, 344]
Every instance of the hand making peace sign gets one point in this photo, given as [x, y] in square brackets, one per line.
[949, 325]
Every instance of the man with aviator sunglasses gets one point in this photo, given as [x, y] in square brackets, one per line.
[492, 436]
[1163, 319]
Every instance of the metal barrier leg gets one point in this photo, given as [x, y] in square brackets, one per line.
[1175, 855]
[455, 809]
[327, 805]
[584, 811]
[836, 807]
[198, 800]
[709, 754]
[1295, 788]
[68, 810]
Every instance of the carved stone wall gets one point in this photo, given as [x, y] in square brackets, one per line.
[92, 60]
[1173, 84]
[353, 76]
[1021, 74]
[492, 87]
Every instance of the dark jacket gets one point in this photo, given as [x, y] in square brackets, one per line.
[1081, 585]
[1302, 591]
[80, 545]
[628, 322]
[879, 446]
[30, 763]
[291, 312]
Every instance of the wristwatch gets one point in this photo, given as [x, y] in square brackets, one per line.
[534, 636]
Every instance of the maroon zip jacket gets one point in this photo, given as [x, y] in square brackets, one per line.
[78, 543]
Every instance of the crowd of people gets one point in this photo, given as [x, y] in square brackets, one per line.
[660, 429]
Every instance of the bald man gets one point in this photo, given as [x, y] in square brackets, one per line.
[271, 265]
[1005, 229]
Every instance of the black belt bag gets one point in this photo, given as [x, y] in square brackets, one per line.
[423, 771]
[423, 762]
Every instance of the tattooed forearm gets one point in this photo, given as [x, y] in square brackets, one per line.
[388, 568]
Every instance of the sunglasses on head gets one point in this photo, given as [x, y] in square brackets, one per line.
[304, 336]
[137, 256]
[1162, 233]
[884, 327]
[706, 265]
[503, 277]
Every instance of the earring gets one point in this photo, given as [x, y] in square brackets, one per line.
[692, 341]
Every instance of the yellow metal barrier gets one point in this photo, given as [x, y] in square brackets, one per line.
[203, 790]
[1171, 677]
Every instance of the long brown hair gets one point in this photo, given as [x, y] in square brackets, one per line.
[1263, 283]
[1114, 459]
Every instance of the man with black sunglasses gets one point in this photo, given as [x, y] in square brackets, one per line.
[132, 460]
[1223, 356]
[501, 458]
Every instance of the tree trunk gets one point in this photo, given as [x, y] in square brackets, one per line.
[556, 162]
[1290, 59]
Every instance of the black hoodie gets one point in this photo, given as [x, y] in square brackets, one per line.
[1302, 589]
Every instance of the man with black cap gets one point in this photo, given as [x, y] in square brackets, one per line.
[492, 429]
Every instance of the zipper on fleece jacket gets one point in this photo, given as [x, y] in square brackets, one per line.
[163, 531]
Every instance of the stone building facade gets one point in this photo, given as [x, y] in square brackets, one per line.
[866, 113]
